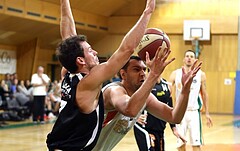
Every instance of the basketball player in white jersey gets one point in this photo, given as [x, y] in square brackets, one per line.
[192, 119]
[135, 88]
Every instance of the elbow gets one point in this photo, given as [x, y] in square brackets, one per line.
[128, 48]
[178, 121]
[175, 121]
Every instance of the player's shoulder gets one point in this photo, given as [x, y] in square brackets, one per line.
[112, 85]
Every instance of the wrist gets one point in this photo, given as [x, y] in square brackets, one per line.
[185, 91]
[147, 12]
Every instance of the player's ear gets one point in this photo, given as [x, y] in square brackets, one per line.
[80, 60]
[122, 74]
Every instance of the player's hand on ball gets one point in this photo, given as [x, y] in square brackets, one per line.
[159, 62]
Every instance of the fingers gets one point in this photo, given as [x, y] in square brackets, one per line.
[159, 53]
[170, 61]
[166, 54]
[147, 57]
[196, 69]
[193, 66]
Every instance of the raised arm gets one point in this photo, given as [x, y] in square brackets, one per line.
[67, 24]
[174, 115]
[204, 93]
[127, 46]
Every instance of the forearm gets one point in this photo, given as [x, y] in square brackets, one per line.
[133, 37]
[67, 25]
[205, 103]
[181, 106]
[138, 99]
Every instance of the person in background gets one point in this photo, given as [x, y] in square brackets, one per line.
[39, 82]
[14, 85]
[8, 81]
[28, 84]
[4, 94]
[54, 99]
[192, 118]
[22, 89]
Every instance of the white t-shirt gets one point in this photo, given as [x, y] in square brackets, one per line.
[39, 90]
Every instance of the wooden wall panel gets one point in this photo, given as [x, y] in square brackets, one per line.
[51, 12]
[213, 91]
[108, 45]
[14, 6]
[35, 8]
[121, 25]
[30, 57]
[225, 93]
[25, 62]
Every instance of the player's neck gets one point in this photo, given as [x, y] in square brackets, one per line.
[187, 68]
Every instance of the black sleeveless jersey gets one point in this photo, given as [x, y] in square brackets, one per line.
[74, 130]
[161, 91]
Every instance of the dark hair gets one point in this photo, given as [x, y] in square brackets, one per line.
[190, 51]
[68, 50]
[127, 64]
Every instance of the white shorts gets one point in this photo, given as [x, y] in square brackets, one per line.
[191, 123]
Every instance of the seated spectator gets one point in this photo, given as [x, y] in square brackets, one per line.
[14, 85]
[22, 89]
[28, 84]
[54, 99]
[4, 93]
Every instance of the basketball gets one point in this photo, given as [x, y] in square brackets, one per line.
[152, 39]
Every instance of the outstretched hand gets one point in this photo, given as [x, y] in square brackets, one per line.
[158, 63]
[187, 78]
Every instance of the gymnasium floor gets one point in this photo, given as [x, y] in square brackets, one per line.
[24, 136]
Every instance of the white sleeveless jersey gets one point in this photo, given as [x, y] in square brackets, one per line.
[194, 101]
[115, 127]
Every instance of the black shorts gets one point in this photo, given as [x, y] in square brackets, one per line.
[148, 140]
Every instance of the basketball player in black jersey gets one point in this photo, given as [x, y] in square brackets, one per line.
[79, 123]
[149, 130]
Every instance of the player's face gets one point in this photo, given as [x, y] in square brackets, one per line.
[91, 58]
[135, 74]
[189, 58]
